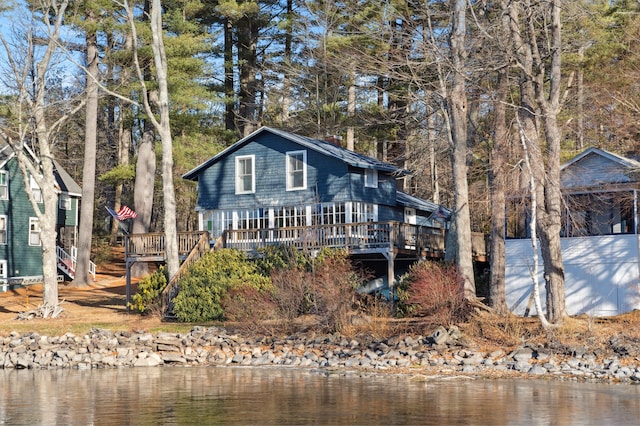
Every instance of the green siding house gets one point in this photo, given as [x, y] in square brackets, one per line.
[20, 248]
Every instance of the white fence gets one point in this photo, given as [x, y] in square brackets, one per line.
[601, 275]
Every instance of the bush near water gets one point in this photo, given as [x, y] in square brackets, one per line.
[284, 284]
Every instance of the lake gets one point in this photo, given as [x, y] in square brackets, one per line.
[279, 396]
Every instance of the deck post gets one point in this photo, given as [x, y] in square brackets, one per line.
[390, 256]
[128, 284]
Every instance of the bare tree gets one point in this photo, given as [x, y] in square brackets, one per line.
[32, 134]
[497, 187]
[538, 50]
[85, 230]
[457, 109]
[162, 126]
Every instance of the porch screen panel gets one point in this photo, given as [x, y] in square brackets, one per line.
[598, 214]
[253, 219]
[364, 212]
[288, 217]
[329, 214]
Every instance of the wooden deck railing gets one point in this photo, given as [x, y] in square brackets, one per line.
[372, 236]
[363, 237]
[153, 244]
[197, 251]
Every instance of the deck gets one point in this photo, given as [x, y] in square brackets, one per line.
[151, 247]
[356, 238]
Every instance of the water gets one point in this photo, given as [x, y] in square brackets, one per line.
[261, 396]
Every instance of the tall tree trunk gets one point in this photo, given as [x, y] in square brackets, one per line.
[123, 142]
[540, 94]
[144, 184]
[433, 164]
[247, 59]
[550, 221]
[286, 75]
[497, 259]
[164, 129]
[457, 106]
[143, 189]
[351, 108]
[85, 232]
[229, 81]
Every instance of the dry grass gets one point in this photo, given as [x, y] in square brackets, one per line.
[494, 331]
[99, 305]
[102, 305]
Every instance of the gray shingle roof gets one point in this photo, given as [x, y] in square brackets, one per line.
[407, 200]
[63, 180]
[327, 148]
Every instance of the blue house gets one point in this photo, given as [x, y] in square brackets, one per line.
[274, 187]
[20, 248]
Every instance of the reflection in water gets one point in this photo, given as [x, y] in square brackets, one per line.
[254, 396]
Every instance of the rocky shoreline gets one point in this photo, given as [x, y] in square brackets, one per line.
[443, 353]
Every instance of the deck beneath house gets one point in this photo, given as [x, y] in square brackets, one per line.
[356, 238]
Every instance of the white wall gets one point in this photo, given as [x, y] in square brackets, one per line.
[601, 275]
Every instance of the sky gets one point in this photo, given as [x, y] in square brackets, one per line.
[12, 24]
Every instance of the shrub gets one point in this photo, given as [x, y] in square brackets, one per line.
[148, 297]
[333, 288]
[275, 258]
[207, 282]
[248, 305]
[291, 293]
[324, 287]
[432, 289]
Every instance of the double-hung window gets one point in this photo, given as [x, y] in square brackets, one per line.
[296, 170]
[65, 202]
[34, 231]
[35, 190]
[3, 229]
[245, 174]
[4, 185]
[370, 178]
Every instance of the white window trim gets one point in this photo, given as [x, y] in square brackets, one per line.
[239, 189]
[5, 219]
[3, 268]
[372, 181]
[65, 202]
[36, 221]
[36, 191]
[4, 194]
[304, 170]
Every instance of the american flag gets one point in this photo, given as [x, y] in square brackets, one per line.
[125, 213]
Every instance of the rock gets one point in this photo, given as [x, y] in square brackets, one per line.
[537, 370]
[173, 357]
[524, 354]
[440, 336]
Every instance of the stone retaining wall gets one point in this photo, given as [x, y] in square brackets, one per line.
[444, 352]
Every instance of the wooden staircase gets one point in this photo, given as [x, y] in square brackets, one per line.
[171, 290]
[67, 264]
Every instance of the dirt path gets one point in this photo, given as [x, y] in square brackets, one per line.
[101, 304]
